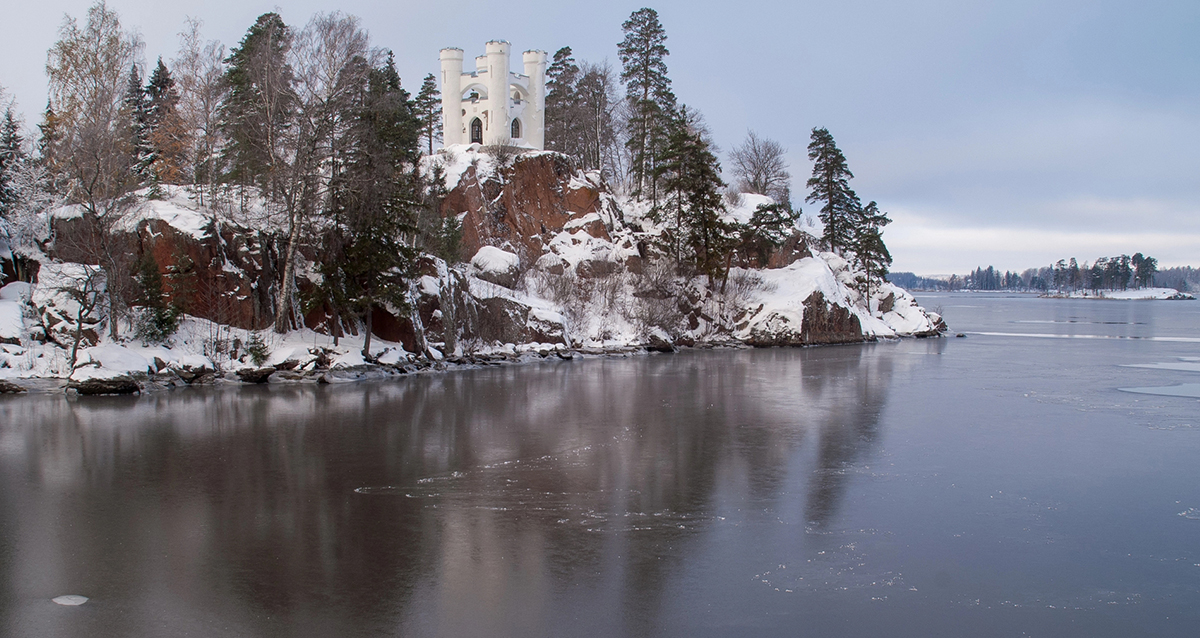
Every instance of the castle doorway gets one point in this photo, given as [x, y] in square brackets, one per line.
[476, 131]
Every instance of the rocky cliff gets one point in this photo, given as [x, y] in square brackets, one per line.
[550, 259]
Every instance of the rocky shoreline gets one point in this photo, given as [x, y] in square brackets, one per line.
[289, 372]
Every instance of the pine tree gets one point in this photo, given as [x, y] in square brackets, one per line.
[1145, 269]
[12, 155]
[428, 105]
[562, 76]
[830, 186]
[870, 253]
[643, 55]
[770, 225]
[691, 180]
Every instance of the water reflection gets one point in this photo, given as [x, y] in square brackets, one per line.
[519, 500]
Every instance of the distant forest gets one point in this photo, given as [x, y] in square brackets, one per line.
[1066, 275]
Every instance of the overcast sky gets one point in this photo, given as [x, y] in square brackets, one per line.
[1009, 133]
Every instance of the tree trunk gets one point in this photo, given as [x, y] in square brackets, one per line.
[366, 352]
[283, 309]
[113, 316]
[449, 329]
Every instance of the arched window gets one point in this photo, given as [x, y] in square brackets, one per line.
[516, 129]
[476, 131]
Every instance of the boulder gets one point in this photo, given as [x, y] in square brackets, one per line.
[591, 268]
[887, 303]
[505, 320]
[93, 381]
[14, 297]
[658, 343]
[821, 322]
[826, 322]
[8, 387]
[255, 375]
[497, 266]
[793, 249]
[194, 370]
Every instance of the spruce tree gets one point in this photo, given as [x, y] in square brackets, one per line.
[12, 154]
[167, 131]
[830, 186]
[158, 320]
[374, 202]
[50, 136]
[643, 55]
[428, 105]
[136, 110]
[442, 236]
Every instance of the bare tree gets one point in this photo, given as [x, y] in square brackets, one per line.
[331, 58]
[598, 103]
[759, 167]
[85, 289]
[199, 72]
[87, 70]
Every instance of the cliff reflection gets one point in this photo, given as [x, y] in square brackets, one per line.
[520, 500]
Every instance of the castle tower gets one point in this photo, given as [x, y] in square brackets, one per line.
[535, 70]
[452, 114]
[492, 105]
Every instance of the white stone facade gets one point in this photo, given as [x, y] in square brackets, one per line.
[492, 105]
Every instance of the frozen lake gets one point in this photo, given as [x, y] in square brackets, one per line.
[1002, 484]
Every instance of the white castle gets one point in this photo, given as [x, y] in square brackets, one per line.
[492, 105]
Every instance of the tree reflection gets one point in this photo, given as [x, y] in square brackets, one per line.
[501, 501]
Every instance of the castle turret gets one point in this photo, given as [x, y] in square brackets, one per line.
[535, 68]
[496, 127]
[452, 121]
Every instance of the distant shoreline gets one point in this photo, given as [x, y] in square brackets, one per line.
[1143, 294]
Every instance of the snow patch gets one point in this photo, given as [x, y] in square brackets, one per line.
[493, 260]
[114, 358]
[456, 159]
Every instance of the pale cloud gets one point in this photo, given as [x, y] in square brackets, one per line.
[928, 246]
[1007, 133]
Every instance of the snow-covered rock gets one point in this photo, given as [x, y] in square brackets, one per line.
[497, 266]
[91, 380]
[815, 301]
[61, 298]
[587, 255]
[13, 299]
[114, 358]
